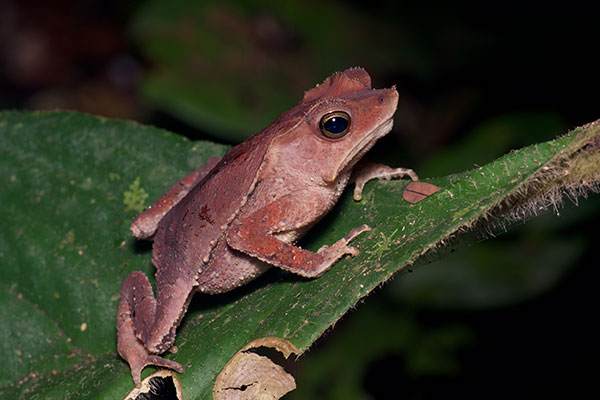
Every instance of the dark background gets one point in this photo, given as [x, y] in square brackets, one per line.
[513, 316]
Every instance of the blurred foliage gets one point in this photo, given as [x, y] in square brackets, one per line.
[231, 67]
[490, 139]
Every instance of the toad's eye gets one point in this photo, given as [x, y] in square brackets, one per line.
[335, 124]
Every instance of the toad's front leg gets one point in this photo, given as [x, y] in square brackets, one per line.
[146, 326]
[257, 235]
[366, 171]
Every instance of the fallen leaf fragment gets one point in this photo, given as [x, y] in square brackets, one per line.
[417, 191]
[249, 375]
[160, 385]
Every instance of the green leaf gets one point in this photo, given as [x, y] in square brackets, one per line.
[526, 261]
[65, 247]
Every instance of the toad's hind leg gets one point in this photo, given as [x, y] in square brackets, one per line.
[146, 327]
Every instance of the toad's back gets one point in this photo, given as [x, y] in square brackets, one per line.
[187, 234]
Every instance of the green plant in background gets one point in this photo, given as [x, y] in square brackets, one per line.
[66, 248]
[231, 67]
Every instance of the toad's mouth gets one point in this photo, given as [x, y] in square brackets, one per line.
[358, 151]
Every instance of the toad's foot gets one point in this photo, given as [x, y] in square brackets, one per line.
[340, 248]
[132, 350]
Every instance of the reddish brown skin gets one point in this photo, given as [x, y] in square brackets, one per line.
[232, 219]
